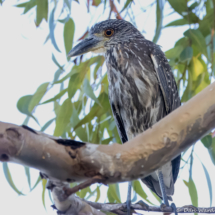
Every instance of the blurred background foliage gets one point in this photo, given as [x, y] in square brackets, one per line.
[81, 107]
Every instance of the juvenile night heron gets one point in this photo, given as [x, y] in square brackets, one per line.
[142, 89]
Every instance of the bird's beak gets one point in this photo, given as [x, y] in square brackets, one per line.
[86, 45]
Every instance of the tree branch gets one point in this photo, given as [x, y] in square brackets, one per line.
[75, 205]
[70, 160]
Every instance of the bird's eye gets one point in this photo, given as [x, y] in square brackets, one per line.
[109, 32]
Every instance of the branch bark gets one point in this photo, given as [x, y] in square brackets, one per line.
[70, 160]
[74, 205]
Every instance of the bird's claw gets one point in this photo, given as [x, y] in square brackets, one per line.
[143, 204]
[162, 206]
[128, 204]
[174, 208]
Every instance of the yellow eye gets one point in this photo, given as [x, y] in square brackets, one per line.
[109, 32]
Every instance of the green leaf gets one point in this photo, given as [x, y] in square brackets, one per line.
[37, 182]
[58, 96]
[112, 194]
[186, 54]
[47, 125]
[69, 29]
[211, 151]
[126, 5]
[205, 25]
[75, 82]
[107, 141]
[89, 91]
[38, 95]
[27, 5]
[193, 6]
[193, 192]
[63, 117]
[207, 141]
[44, 181]
[156, 197]
[180, 6]
[64, 20]
[23, 104]
[51, 30]
[209, 183]
[96, 110]
[117, 190]
[177, 23]
[174, 52]
[68, 4]
[22, 4]
[28, 175]
[139, 190]
[42, 11]
[98, 194]
[55, 61]
[82, 193]
[196, 68]
[186, 183]
[57, 75]
[96, 3]
[73, 71]
[9, 178]
[159, 18]
[197, 39]
[74, 120]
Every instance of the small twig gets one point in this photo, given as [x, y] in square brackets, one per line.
[96, 179]
[121, 208]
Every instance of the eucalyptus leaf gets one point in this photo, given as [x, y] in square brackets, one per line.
[112, 194]
[38, 95]
[89, 91]
[42, 11]
[44, 181]
[139, 190]
[63, 117]
[51, 30]
[69, 30]
[9, 178]
[28, 175]
[193, 192]
[209, 183]
[58, 96]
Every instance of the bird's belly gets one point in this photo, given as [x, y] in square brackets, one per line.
[167, 174]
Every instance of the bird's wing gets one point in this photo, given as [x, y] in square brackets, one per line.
[119, 121]
[166, 80]
[170, 95]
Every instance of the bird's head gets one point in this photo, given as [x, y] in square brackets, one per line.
[104, 34]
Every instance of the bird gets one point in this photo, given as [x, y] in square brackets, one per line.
[142, 89]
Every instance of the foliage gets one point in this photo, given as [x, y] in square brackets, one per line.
[81, 107]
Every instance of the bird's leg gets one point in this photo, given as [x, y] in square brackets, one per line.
[162, 186]
[128, 203]
[163, 191]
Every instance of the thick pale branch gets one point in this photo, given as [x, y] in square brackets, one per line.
[70, 160]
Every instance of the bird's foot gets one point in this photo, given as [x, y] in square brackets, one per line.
[163, 206]
[128, 203]
[174, 208]
[143, 204]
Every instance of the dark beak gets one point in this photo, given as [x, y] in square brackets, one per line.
[86, 45]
